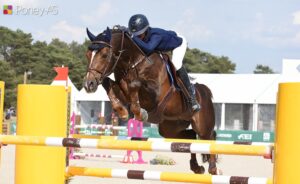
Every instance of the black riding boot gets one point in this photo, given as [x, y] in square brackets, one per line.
[190, 87]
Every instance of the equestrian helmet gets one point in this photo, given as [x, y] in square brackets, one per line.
[138, 24]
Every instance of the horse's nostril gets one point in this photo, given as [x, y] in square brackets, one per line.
[87, 85]
[90, 85]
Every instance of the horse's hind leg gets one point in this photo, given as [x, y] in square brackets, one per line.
[210, 158]
[194, 166]
[212, 168]
[203, 123]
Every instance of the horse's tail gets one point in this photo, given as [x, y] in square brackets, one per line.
[204, 91]
[206, 103]
[208, 109]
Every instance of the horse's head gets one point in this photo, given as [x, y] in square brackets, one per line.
[104, 54]
[99, 55]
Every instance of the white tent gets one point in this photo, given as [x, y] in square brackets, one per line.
[249, 88]
[99, 95]
[74, 91]
[240, 88]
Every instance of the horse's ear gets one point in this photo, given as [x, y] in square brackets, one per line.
[108, 32]
[91, 36]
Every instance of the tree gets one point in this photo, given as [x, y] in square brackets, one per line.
[77, 67]
[263, 69]
[15, 48]
[8, 75]
[202, 62]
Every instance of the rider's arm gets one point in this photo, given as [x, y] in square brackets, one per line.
[150, 46]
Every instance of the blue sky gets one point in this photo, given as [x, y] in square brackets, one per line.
[249, 32]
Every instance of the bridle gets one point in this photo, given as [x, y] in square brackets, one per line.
[111, 53]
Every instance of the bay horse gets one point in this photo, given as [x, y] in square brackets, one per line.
[143, 83]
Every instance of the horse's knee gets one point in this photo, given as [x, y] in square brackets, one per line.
[123, 113]
[135, 108]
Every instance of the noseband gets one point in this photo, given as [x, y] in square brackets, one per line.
[105, 73]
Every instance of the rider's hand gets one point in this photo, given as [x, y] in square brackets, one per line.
[123, 28]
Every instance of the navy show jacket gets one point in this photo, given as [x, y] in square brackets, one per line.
[158, 40]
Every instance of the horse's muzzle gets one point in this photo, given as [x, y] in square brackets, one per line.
[90, 86]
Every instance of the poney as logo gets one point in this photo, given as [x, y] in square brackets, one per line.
[7, 9]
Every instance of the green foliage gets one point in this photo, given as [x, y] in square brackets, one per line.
[19, 54]
[197, 61]
[263, 69]
[8, 75]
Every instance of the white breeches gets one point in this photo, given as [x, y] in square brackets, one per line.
[178, 53]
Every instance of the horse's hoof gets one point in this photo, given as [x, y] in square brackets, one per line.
[213, 171]
[144, 115]
[199, 170]
[196, 168]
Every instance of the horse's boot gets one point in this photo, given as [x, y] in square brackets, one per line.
[182, 74]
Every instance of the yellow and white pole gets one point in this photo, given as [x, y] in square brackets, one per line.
[42, 111]
[164, 176]
[1, 104]
[287, 149]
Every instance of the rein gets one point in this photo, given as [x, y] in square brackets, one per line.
[120, 53]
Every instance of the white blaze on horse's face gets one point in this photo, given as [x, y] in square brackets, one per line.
[91, 62]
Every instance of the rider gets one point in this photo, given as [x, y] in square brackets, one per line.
[155, 39]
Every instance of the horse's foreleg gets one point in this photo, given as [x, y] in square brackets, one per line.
[115, 94]
[210, 158]
[139, 113]
[194, 166]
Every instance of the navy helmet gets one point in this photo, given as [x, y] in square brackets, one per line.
[138, 24]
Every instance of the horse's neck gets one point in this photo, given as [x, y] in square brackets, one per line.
[132, 54]
[133, 60]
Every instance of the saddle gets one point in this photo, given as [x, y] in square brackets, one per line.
[174, 79]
